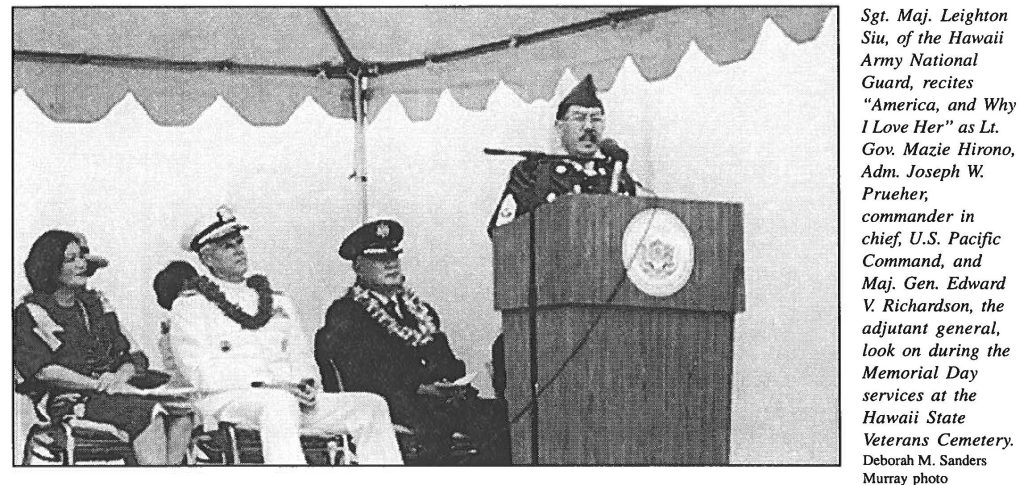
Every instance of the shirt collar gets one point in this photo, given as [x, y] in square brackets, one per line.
[382, 298]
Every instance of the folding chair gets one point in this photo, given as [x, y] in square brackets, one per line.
[408, 443]
[232, 445]
[72, 440]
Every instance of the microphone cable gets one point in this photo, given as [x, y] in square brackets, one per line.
[655, 203]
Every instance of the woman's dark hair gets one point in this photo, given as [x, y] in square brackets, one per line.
[170, 280]
[46, 258]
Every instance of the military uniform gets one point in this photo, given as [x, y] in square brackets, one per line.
[393, 345]
[532, 182]
[223, 360]
[369, 358]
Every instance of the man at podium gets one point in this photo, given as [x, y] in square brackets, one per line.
[535, 180]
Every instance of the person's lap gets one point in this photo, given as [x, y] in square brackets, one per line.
[332, 413]
[129, 413]
[481, 421]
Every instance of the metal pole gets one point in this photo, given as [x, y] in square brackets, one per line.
[359, 85]
[531, 301]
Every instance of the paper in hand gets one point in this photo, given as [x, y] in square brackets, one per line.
[462, 381]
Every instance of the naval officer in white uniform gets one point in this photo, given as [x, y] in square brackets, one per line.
[230, 332]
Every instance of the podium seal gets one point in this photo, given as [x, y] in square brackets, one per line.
[657, 252]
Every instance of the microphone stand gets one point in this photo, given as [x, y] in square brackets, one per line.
[536, 155]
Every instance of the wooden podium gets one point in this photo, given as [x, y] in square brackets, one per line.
[652, 385]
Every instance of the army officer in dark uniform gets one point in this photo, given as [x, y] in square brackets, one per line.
[533, 181]
[381, 337]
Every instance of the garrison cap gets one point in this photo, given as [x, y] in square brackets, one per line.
[584, 94]
[211, 227]
[373, 239]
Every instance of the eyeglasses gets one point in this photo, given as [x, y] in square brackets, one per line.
[581, 118]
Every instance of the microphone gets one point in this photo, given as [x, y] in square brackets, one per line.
[620, 156]
[612, 150]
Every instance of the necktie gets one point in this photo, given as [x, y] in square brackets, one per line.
[395, 310]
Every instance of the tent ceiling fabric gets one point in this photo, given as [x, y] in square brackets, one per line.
[81, 92]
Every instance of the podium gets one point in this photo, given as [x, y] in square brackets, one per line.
[652, 383]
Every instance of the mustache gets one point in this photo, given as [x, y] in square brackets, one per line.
[589, 135]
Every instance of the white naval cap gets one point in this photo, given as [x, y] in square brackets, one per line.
[210, 227]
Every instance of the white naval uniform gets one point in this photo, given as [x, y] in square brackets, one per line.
[222, 360]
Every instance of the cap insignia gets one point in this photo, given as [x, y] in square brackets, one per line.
[224, 214]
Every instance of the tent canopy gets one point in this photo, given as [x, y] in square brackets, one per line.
[77, 63]
[761, 132]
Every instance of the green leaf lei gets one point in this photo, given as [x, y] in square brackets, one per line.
[212, 292]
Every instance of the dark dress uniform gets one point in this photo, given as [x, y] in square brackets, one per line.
[535, 181]
[354, 347]
[85, 338]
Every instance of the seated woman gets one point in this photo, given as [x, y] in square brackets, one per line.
[67, 340]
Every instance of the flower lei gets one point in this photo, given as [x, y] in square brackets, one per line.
[212, 292]
[417, 336]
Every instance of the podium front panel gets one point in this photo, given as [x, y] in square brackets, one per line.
[653, 383]
[578, 254]
[649, 387]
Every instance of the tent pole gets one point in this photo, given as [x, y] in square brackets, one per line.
[359, 145]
